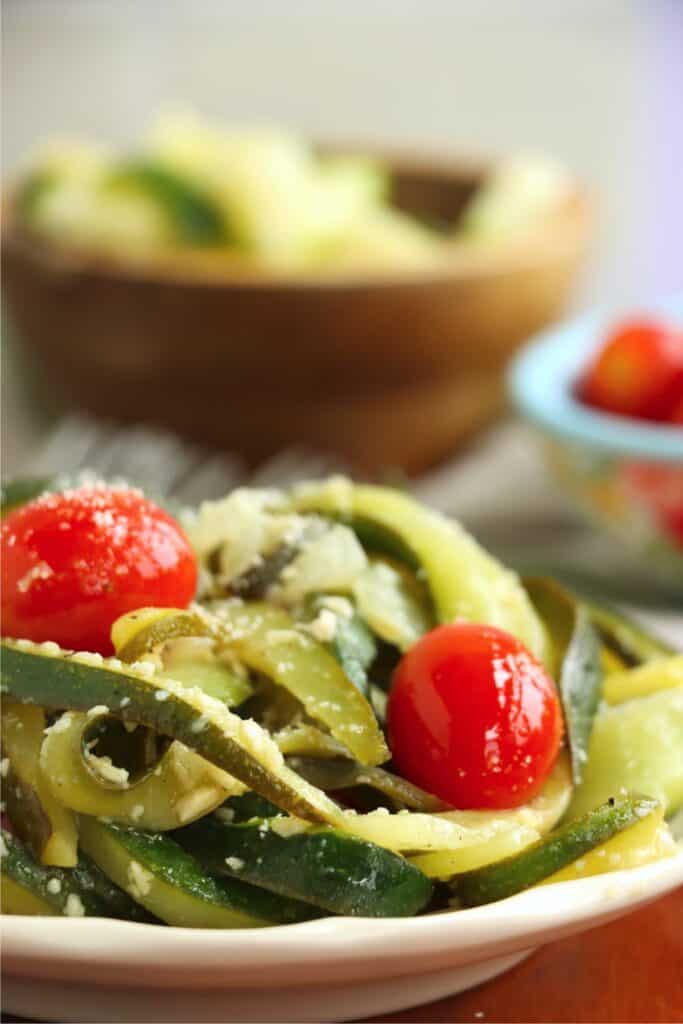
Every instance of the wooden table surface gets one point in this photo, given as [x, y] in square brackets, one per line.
[628, 972]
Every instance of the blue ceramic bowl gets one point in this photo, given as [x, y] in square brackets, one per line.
[626, 474]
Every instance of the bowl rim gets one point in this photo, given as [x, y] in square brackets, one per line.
[542, 376]
[562, 235]
[124, 952]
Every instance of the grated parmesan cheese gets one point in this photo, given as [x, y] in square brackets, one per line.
[324, 627]
[234, 863]
[74, 906]
[99, 709]
[140, 880]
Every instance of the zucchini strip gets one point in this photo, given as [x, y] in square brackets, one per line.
[637, 746]
[38, 818]
[336, 872]
[327, 764]
[578, 664]
[625, 638]
[44, 674]
[463, 579]
[393, 602]
[181, 788]
[170, 884]
[352, 643]
[31, 888]
[551, 854]
[456, 830]
[266, 640]
[653, 676]
[649, 839]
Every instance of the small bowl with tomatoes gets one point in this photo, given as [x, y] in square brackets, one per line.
[607, 394]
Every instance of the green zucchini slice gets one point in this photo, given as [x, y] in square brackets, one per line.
[43, 674]
[182, 787]
[350, 640]
[38, 818]
[463, 580]
[336, 872]
[637, 746]
[326, 763]
[578, 665]
[552, 853]
[170, 884]
[625, 638]
[393, 602]
[31, 888]
[266, 639]
[643, 680]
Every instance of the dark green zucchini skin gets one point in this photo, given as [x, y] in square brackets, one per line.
[174, 865]
[332, 870]
[579, 669]
[98, 894]
[250, 805]
[555, 851]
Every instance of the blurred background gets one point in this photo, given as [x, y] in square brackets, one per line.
[595, 83]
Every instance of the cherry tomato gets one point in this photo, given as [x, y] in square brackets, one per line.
[73, 562]
[638, 372]
[676, 416]
[473, 717]
[657, 490]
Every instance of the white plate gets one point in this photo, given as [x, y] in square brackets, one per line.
[326, 970]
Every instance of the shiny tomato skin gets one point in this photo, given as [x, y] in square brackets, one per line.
[474, 718]
[72, 563]
[638, 372]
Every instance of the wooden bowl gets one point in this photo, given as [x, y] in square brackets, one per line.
[385, 370]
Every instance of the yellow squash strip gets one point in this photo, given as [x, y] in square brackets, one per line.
[180, 789]
[38, 817]
[643, 680]
[464, 580]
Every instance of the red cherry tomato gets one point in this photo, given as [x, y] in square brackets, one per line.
[73, 562]
[676, 416]
[638, 372]
[473, 717]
